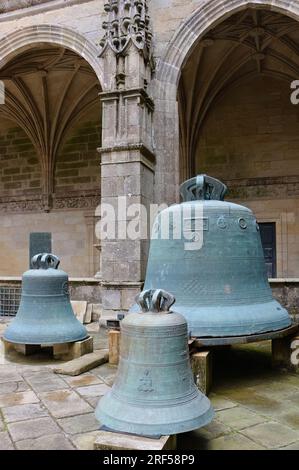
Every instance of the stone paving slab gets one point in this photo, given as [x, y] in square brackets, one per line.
[85, 441]
[294, 446]
[232, 442]
[221, 403]
[106, 372]
[83, 364]
[79, 424]
[93, 401]
[239, 418]
[53, 442]
[62, 403]
[93, 390]
[82, 380]
[12, 387]
[33, 428]
[23, 412]
[290, 418]
[272, 434]
[19, 398]
[5, 441]
[45, 381]
[9, 375]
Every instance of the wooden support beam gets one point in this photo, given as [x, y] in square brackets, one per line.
[201, 364]
[114, 345]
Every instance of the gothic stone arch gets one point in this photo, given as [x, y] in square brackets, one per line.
[208, 15]
[22, 39]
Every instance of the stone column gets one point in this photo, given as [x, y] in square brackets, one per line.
[127, 156]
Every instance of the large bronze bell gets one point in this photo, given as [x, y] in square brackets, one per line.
[154, 392]
[45, 315]
[213, 262]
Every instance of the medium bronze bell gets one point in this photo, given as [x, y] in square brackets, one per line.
[154, 392]
[212, 261]
[45, 315]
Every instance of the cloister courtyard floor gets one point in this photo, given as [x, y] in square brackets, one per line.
[256, 407]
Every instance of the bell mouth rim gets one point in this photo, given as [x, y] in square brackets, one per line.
[150, 429]
[46, 343]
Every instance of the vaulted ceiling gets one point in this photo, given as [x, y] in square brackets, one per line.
[48, 89]
[250, 43]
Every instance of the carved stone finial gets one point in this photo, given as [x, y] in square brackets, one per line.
[127, 22]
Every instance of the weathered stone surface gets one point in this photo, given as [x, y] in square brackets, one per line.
[232, 442]
[116, 441]
[12, 387]
[45, 381]
[239, 418]
[82, 380]
[79, 308]
[32, 428]
[63, 403]
[272, 435]
[93, 390]
[5, 441]
[294, 446]
[79, 424]
[7, 375]
[19, 398]
[221, 403]
[22, 412]
[106, 372]
[202, 363]
[51, 442]
[70, 351]
[209, 432]
[85, 441]
[83, 364]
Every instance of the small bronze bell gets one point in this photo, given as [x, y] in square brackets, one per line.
[213, 262]
[45, 315]
[154, 392]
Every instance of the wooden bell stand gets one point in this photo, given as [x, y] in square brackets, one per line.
[201, 352]
[62, 351]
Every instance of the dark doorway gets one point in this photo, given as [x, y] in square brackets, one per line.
[268, 236]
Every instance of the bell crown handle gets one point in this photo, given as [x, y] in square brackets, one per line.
[45, 261]
[203, 188]
[155, 300]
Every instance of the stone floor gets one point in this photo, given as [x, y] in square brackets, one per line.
[256, 407]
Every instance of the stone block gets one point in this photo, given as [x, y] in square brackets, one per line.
[79, 308]
[83, 364]
[62, 403]
[88, 314]
[283, 356]
[25, 349]
[117, 441]
[201, 363]
[70, 351]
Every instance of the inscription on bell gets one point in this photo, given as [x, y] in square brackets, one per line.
[195, 224]
[146, 383]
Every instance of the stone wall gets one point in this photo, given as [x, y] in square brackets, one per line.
[252, 132]
[71, 240]
[78, 166]
[20, 170]
[250, 140]
[77, 172]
